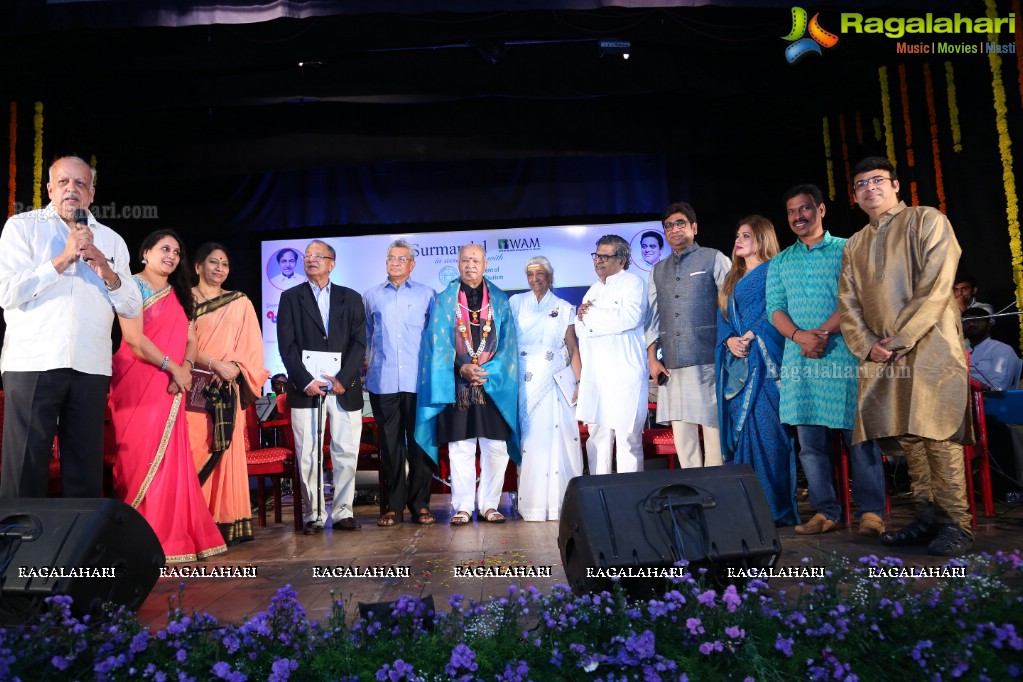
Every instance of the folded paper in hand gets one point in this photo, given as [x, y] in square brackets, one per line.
[196, 400]
[321, 363]
[566, 381]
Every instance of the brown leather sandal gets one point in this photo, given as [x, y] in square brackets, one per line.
[388, 519]
[425, 518]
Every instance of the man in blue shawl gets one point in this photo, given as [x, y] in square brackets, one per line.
[468, 387]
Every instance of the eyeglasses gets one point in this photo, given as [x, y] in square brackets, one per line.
[317, 257]
[602, 257]
[398, 259]
[677, 224]
[866, 182]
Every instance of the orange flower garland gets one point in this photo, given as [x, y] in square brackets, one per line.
[886, 111]
[830, 163]
[910, 160]
[37, 160]
[932, 116]
[953, 109]
[12, 168]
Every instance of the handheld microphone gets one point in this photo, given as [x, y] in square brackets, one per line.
[82, 222]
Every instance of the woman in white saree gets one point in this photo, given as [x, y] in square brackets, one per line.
[551, 454]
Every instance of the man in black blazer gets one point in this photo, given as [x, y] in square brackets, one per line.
[321, 316]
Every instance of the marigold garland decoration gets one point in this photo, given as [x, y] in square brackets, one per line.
[37, 160]
[877, 128]
[830, 163]
[908, 127]
[932, 117]
[12, 168]
[845, 158]
[886, 111]
[1008, 178]
[953, 109]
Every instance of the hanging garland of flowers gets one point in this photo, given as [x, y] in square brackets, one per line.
[910, 159]
[845, 159]
[831, 164]
[1008, 178]
[12, 175]
[886, 111]
[877, 128]
[953, 109]
[932, 115]
[37, 161]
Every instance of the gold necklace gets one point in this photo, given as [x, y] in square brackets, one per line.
[206, 298]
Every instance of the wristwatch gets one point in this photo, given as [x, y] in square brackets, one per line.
[115, 285]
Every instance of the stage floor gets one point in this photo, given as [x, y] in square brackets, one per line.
[321, 567]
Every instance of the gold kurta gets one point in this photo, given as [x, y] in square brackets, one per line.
[896, 280]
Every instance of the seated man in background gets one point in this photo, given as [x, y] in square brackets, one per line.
[992, 363]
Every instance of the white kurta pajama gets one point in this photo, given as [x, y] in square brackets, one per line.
[613, 386]
[550, 433]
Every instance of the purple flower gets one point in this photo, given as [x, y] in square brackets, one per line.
[694, 625]
[731, 598]
[735, 632]
[707, 598]
[60, 663]
[784, 645]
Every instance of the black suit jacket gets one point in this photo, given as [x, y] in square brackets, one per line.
[299, 327]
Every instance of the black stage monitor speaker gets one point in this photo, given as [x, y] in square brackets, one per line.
[92, 550]
[713, 517]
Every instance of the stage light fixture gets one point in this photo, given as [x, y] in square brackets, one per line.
[615, 47]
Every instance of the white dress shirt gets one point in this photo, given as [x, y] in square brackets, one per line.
[59, 320]
[613, 385]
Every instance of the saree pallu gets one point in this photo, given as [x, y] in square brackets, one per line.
[154, 471]
[227, 329]
[748, 396]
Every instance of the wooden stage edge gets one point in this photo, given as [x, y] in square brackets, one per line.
[321, 567]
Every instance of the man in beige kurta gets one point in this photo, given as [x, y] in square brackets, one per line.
[899, 317]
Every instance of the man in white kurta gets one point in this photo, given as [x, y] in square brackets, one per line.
[613, 385]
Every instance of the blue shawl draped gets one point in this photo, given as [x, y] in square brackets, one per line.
[437, 368]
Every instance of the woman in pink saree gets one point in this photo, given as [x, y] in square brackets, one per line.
[154, 472]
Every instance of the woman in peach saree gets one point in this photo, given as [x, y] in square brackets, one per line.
[154, 471]
[230, 344]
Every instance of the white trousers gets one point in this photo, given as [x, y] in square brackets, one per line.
[493, 463]
[687, 444]
[599, 448]
[345, 434]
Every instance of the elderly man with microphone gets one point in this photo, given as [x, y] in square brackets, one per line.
[61, 275]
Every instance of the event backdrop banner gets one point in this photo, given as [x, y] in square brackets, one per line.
[360, 261]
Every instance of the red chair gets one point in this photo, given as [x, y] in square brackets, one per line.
[842, 480]
[979, 452]
[660, 442]
[274, 463]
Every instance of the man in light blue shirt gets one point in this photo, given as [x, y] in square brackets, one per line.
[396, 314]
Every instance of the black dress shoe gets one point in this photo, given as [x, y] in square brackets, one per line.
[311, 528]
[346, 524]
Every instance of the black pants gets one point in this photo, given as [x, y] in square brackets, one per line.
[395, 415]
[39, 405]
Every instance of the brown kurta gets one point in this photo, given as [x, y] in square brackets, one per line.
[896, 280]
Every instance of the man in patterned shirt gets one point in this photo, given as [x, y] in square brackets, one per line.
[818, 376]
